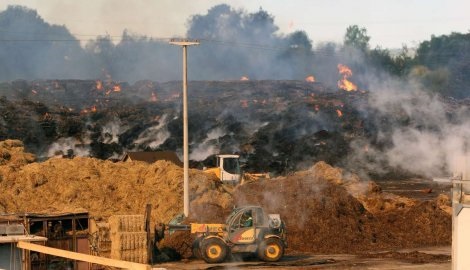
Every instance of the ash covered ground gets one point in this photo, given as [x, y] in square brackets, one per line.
[276, 126]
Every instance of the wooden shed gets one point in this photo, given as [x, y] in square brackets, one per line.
[66, 231]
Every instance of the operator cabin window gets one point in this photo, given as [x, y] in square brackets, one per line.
[231, 165]
[246, 219]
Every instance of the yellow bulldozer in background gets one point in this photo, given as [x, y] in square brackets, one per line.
[229, 172]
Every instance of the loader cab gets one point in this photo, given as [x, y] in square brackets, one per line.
[229, 168]
[243, 224]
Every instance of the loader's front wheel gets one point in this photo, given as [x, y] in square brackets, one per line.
[271, 250]
[213, 250]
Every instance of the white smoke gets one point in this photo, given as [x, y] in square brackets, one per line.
[430, 143]
[207, 147]
[63, 145]
[111, 131]
[253, 126]
[154, 136]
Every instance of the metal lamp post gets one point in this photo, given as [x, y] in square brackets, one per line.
[185, 43]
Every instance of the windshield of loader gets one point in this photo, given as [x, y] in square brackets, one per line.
[231, 165]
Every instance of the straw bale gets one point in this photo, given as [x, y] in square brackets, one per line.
[128, 240]
[126, 223]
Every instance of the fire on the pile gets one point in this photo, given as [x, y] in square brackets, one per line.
[310, 78]
[153, 97]
[117, 88]
[92, 109]
[244, 78]
[99, 85]
[344, 83]
[244, 103]
[339, 113]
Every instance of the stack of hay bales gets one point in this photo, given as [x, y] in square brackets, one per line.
[128, 238]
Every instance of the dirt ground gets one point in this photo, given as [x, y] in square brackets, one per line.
[437, 258]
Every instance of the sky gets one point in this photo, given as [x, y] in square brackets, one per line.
[390, 23]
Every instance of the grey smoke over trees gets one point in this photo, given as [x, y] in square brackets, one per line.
[234, 43]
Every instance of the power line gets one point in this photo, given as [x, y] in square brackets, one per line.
[334, 51]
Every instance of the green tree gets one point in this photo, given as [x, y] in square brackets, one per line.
[357, 37]
[448, 59]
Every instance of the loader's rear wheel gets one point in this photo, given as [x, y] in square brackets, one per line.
[213, 250]
[271, 250]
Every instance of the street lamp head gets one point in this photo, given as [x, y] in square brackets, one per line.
[184, 41]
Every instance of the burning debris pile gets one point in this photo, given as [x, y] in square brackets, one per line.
[275, 126]
[316, 204]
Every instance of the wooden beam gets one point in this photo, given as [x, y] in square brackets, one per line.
[83, 257]
[148, 213]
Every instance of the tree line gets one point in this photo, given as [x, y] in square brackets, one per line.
[234, 43]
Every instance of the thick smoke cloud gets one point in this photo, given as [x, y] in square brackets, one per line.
[234, 43]
[418, 131]
[32, 49]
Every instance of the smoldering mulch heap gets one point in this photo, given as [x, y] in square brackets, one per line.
[325, 209]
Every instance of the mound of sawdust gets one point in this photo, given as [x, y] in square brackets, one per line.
[12, 157]
[325, 212]
[105, 188]
[325, 209]
[367, 192]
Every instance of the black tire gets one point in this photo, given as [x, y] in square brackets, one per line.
[271, 250]
[197, 248]
[213, 250]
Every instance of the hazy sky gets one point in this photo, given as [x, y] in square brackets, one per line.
[390, 23]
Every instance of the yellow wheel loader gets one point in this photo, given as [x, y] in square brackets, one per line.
[247, 229]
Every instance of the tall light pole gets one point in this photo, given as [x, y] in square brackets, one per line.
[185, 43]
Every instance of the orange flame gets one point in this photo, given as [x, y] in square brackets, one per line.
[340, 113]
[317, 107]
[244, 78]
[99, 85]
[117, 88]
[310, 78]
[344, 83]
[153, 98]
[244, 103]
[46, 117]
[90, 110]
